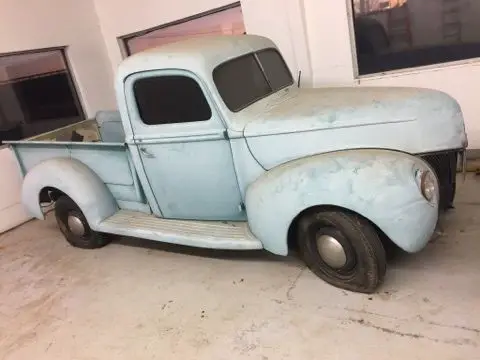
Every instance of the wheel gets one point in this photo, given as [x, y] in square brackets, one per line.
[342, 249]
[74, 225]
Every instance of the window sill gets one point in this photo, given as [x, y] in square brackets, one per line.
[419, 69]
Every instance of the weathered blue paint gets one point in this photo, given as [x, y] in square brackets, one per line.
[119, 175]
[302, 122]
[246, 167]
[297, 148]
[75, 179]
[117, 172]
[380, 185]
[233, 235]
[110, 126]
[134, 206]
[189, 166]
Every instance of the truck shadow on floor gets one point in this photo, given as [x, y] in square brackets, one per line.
[242, 255]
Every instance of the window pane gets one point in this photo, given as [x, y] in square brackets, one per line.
[225, 21]
[275, 69]
[170, 99]
[240, 82]
[399, 34]
[36, 94]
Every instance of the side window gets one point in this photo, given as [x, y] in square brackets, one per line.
[170, 100]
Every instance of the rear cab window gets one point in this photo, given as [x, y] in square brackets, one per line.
[246, 79]
[170, 99]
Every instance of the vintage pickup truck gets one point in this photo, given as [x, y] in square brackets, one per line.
[216, 146]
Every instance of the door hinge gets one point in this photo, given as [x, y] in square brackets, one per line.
[225, 135]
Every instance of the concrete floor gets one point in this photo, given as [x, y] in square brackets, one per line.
[140, 300]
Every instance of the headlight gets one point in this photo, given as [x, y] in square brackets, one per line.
[428, 185]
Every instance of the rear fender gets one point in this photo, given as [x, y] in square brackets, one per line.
[74, 179]
[379, 185]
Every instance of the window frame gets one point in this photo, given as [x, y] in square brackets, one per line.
[124, 39]
[171, 123]
[70, 75]
[255, 54]
[140, 130]
[63, 50]
[397, 72]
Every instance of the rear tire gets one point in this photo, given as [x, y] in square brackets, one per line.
[74, 226]
[342, 249]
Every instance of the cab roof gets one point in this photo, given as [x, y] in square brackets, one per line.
[198, 55]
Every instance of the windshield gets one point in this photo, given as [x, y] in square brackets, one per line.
[249, 78]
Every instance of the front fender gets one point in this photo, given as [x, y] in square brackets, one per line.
[76, 180]
[379, 185]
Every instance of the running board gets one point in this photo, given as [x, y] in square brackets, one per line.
[204, 234]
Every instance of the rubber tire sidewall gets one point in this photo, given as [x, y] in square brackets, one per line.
[370, 267]
[91, 240]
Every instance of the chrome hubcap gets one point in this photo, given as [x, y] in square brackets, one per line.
[331, 251]
[75, 225]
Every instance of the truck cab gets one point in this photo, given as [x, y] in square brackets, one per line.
[183, 121]
[215, 145]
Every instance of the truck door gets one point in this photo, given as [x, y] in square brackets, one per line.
[180, 139]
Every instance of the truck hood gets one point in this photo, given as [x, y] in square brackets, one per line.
[294, 123]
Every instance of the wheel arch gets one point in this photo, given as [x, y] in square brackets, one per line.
[62, 176]
[292, 240]
[378, 185]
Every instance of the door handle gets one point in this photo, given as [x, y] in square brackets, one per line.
[146, 153]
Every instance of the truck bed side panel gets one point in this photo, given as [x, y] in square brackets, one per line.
[110, 163]
[30, 154]
[108, 160]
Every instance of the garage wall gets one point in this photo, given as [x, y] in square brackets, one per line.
[329, 42]
[31, 24]
[333, 63]
[51, 23]
[119, 18]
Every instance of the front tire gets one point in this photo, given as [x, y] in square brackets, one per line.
[342, 249]
[74, 226]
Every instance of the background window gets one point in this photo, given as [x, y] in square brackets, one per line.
[170, 99]
[37, 94]
[224, 20]
[399, 34]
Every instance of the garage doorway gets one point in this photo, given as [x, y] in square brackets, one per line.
[224, 20]
[37, 93]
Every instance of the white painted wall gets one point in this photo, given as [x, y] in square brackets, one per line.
[31, 24]
[329, 42]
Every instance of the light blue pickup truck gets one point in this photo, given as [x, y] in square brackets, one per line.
[215, 146]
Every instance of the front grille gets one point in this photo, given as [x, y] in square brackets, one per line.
[445, 166]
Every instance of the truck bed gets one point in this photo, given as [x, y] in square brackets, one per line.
[83, 141]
